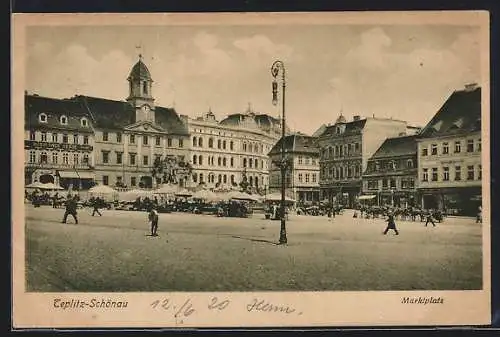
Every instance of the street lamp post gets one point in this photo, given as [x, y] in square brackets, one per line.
[275, 69]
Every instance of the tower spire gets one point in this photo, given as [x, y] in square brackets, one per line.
[139, 51]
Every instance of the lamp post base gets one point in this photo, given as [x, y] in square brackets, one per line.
[283, 239]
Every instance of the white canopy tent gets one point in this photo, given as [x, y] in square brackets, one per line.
[134, 194]
[36, 184]
[103, 191]
[51, 186]
[206, 195]
[366, 197]
[277, 197]
[167, 189]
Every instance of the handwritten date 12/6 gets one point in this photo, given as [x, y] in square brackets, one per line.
[187, 307]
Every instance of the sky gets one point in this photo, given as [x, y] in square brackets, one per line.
[401, 72]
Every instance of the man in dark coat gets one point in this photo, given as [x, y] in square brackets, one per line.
[96, 203]
[71, 207]
[429, 219]
[391, 224]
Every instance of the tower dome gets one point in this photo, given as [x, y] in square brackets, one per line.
[140, 71]
[340, 119]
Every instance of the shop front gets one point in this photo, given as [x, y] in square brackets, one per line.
[307, 195]
[399, 199]
[76, 180]
[463, 201]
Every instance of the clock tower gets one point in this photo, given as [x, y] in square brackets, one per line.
[140, 95]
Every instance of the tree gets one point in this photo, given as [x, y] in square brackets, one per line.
[170, 169]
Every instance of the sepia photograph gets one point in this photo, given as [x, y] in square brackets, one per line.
[247, 154]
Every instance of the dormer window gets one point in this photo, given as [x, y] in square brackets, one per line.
[63, 120]
[84, 122]
[42, 118]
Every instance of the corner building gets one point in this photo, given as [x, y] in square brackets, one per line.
[224, 153]
[107, 141]
[449, 155]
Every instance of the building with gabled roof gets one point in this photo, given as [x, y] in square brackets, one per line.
[302, 175]
[391, 173]
[449, 155]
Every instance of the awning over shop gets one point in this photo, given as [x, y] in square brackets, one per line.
[366, 197]
[76, 175]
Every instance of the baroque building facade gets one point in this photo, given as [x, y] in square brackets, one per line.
[449, 155]
[302, 175]
[109, 142]
[231, 153]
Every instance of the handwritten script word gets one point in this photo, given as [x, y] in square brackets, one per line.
[264, 306]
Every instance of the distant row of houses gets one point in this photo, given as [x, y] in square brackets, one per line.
[386, 162]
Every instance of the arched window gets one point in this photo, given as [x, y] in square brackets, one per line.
[43, 158]
[195, 141]
[409, 163]
[63, 120]
[42, 118]
[194, 159]
[195, 177]
[219, 143]
[224, 144]
[219, 178]
[219, 161]
[232, 178]
[200, 142]
[244, 146]
[224, 161]
[231, 145]
[84, 122]
[250, 162]
[251, 181]
[201, 178]
[200, 160]
[210, 142]
[232, 162]
[225, 179]
[244, 162]
[85, 158]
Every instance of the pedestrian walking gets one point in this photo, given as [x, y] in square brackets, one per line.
[430, 219]
[71, 207]
[391, 224]
[153, 218]
[479, 216]
[95, 205]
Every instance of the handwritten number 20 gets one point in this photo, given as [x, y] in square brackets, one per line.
[215, 304]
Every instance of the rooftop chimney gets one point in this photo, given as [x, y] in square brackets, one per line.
[471, 86]
[356, 118]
